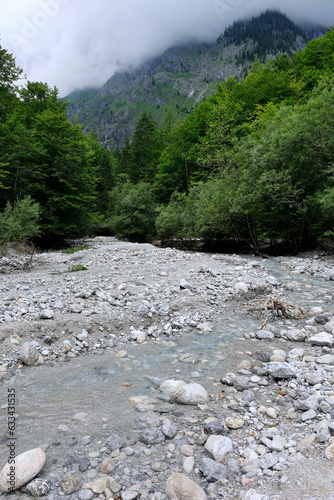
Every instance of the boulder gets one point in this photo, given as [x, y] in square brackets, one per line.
[180, 487]
[281, 370]
[29, 353]
[191, 394]
[171, 386]
[212, 470]
[321, 339]
[26, 467]
[264, 335]
[218, 446]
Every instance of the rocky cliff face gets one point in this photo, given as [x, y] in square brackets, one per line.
[178, 79]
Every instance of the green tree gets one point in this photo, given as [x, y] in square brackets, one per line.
[133, 211]
[144, 150]
[19, 222]
[9, 74]
[68, 193]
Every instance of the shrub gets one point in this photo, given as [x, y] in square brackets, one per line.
[19, 222]
[133, 212]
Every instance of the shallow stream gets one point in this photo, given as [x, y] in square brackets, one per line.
[89, 395]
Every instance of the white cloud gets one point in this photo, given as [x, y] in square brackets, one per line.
[80, 43]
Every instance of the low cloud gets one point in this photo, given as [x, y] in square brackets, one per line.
[77, 44]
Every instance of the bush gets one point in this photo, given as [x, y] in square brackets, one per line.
[19, 222]
[133, 212]
[170, 221]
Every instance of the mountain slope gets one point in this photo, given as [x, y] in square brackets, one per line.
[181, 77]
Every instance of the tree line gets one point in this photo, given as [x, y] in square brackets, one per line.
[253, 162]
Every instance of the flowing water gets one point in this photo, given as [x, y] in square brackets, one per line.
[90, 394]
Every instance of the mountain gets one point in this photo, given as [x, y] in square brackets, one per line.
[183, 76]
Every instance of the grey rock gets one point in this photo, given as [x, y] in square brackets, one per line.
[46, 314]
[147, 419]
[143, 310]
[241, 286]
[129, 495]
[269, 460]
[85, 494]
[184, 284]
[212, 470]
[323, 432]
[326, 359]
[296, 335]
[264, 335]
[262, 356]
[281, 370]
[218, 446]
[272, 280]
[308, 415]
[27, 466]
[84, 464]
[322, 319]
[241, 383]
[70, 483]
[151, 436]
[191, 394]
[82, 336]
[188, 358]
[321, 339]
[313, 378]
[85, 440]
[29, 353]
[180, 487]
[168, 428]
[171, 386]
[116, 442]
[38, 487]
[214, 428]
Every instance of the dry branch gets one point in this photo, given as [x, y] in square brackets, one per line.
[277, 306]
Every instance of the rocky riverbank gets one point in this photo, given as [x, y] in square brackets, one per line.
[261, 430]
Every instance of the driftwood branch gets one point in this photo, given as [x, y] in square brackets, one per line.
[288, 311]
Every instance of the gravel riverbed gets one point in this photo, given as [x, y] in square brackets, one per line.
[145, 375]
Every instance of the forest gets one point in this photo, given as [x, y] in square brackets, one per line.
[252, 163]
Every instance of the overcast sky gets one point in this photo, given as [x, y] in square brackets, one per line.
[80, 43]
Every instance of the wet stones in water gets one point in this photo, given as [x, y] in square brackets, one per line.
[188, 358]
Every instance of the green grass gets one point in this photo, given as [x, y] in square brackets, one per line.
[70, 251]
[75, 268]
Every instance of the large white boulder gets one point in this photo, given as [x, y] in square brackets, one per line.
[26, 467]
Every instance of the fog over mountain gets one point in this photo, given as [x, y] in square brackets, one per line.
[76, 44]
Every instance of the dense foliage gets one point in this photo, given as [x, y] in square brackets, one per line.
[46, 158]
[253, 162]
